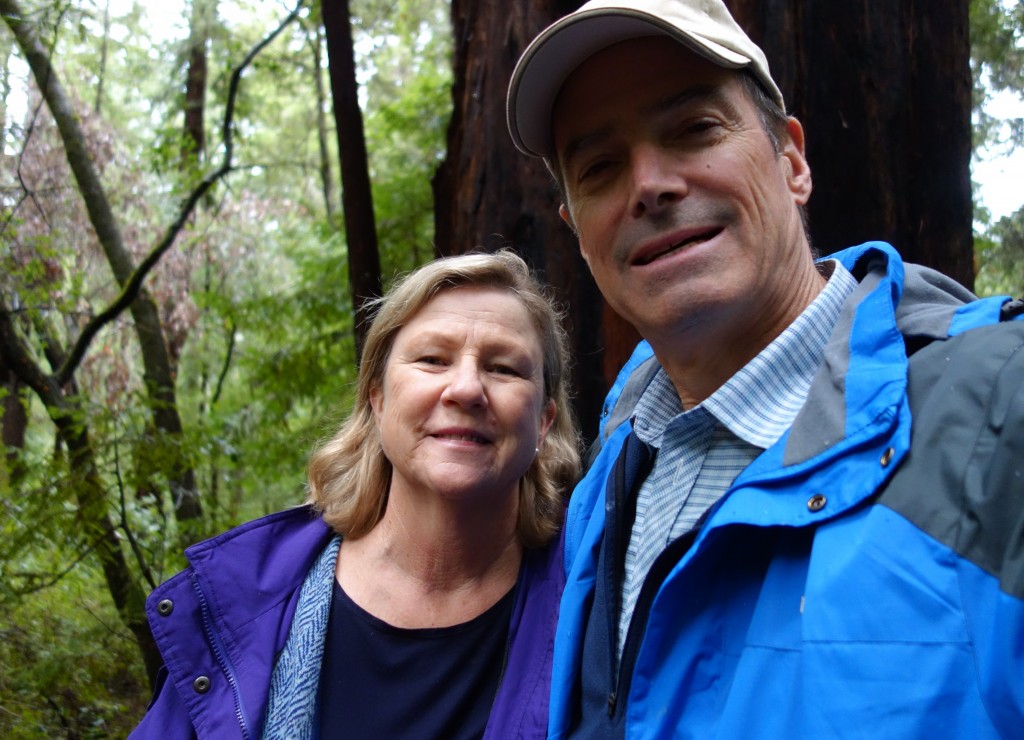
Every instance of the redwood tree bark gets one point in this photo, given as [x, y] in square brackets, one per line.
[883, 88]
[356, 197]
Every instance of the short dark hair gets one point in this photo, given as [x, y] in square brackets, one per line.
[773, 118]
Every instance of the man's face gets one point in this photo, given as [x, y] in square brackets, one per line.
[685, 212]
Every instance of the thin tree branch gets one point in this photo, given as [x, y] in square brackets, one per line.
[134, 283]
[226, 366]
[136, 550]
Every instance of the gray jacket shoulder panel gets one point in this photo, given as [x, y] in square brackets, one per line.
[963, 480]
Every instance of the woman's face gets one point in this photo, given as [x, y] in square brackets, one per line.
[461, 409]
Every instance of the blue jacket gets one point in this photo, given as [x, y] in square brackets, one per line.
[863, 577]
[220, 624]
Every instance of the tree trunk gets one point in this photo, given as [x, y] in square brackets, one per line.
[356, 196]
[487, 194]
[316, 41]
[883, 89]
[104, 52]
[194, 145]
[13, 425]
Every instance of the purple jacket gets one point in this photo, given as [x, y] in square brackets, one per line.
[220, 624]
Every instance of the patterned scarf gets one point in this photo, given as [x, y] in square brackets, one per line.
[291, 709]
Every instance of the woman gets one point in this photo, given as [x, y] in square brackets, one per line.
[416, 594]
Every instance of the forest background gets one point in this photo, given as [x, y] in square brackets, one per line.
[197, 195]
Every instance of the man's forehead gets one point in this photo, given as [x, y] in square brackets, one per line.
[635, 79]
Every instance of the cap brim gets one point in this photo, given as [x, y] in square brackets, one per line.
[559, 50]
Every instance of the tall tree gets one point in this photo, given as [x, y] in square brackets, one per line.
[883, 89]
[357, 198]
[313, 28]
[194, 144]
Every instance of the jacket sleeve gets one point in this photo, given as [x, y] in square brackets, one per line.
[996, 473]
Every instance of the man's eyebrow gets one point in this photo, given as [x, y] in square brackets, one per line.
[697, 94]
[691, 95]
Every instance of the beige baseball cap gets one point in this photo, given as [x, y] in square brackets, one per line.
[704, 26]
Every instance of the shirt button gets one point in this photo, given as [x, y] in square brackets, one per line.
[201, 685]
[816, 502]
[165, 607]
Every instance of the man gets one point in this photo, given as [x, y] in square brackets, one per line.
[806, 517]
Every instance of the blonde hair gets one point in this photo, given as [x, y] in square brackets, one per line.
[349, 475]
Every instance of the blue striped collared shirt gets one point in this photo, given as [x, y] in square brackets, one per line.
[701, 450]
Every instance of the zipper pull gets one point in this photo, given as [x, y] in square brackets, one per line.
[611, 704]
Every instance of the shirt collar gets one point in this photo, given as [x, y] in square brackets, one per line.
[759, 403]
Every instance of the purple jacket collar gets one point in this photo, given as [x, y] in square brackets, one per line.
[221, 623]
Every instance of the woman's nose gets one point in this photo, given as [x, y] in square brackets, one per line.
[465, 385]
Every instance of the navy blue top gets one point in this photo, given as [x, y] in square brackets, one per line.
[378, 681]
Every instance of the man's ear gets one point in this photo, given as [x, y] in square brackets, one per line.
[563, 212]
[798, 171]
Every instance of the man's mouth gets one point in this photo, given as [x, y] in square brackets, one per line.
[646, 259]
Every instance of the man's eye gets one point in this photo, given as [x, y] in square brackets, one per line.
[594, 169]
[506, 370]
[697, 128]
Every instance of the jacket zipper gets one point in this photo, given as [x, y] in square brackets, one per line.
[222, 659]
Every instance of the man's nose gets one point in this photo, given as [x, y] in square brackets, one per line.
[656, 185]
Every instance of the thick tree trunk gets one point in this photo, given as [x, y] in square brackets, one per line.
[356, 196]
[883, 89]
[158, 374]
[488, 195]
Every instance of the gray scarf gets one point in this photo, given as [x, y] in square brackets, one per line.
[292, 705]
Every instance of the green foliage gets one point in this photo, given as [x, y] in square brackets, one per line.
[69, 667]
[1000, 256]
[997, 65]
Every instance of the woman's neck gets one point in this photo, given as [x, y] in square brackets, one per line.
[431, 566]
